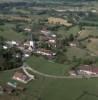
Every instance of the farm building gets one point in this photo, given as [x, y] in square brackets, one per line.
[60, 21]
[21, 76]
[45, 52]
[87, 70]
[8, 89]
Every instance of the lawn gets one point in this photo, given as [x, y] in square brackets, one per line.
[47, 67]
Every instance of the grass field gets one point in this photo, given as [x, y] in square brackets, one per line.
[73, 30]
[7, 32]
[93, 45]
[89, 31]
[5, 76]
[55, 89]
[74, 51]
[47, 67]
[63, 89]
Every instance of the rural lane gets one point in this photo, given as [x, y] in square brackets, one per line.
[49, 76]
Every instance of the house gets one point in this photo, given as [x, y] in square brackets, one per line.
[29, 44]
[20, 87]
[87, 70]
[52, 41]
[21, 76]
[1, 90]
[14, 85]
[8, 89]
[72, 73]
[17, 86]
[5, 47]
[45, 52]
[26, 55]
[60, 21]
[94, 11]
[12, 43]
[28, 47]
[45, 32]
[73, 44]
[53, 35]
[27, 29]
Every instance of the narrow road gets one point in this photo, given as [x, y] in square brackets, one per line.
[50, 76]
[31, 76]
[25, 66]
[53, 76]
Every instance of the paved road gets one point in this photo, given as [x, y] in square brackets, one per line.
[50, 76]
[56, 76]
[24, 69]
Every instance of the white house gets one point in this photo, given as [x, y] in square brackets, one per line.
[27, 29]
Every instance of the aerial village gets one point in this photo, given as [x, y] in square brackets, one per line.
[57, 40]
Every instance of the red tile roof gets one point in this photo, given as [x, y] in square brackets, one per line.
[89, 68]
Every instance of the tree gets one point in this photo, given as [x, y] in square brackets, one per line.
[2, 40]
[71, 37]
[61, 57]
[10, 58]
